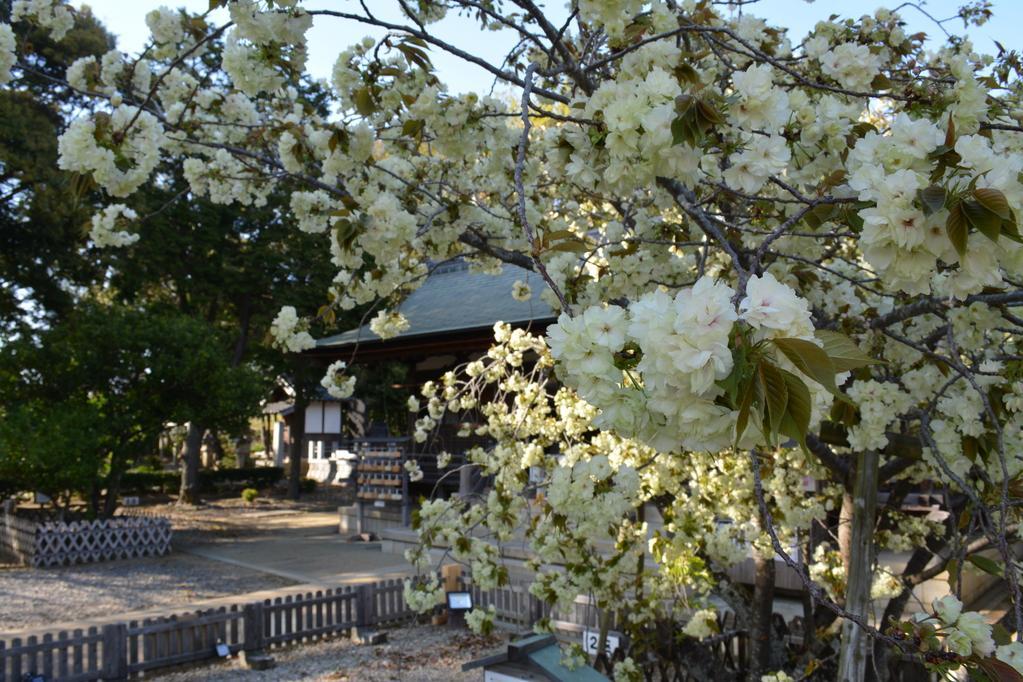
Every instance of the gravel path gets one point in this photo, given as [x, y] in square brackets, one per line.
[32, 597]
[415, 654]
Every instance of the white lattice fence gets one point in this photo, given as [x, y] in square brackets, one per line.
[17, 537]
[59, 543]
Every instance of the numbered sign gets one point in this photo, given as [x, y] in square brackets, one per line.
[591, 638]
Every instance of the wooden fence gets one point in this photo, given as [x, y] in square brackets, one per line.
[517, 607]
[121, 650]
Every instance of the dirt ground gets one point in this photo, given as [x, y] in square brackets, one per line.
[44, 596]
[31, 597]
[414, 654]
[233, 517]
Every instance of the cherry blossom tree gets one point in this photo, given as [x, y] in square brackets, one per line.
[776, 258]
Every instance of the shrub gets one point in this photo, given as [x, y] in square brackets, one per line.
[215, 481]
[250, 495]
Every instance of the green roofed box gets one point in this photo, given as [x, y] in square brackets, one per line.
[535, 658]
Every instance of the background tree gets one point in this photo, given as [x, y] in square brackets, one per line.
[42, 208]
[86, 398]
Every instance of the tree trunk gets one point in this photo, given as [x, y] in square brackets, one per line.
[763, 607]
[189, 493]
[297, 438]
[854, 654]
[94, 498]
[117, 467]
[215, 448]
[113, 492]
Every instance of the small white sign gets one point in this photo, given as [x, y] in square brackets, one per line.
[379, 503]
[131, 501]
[591, 638]
[459, 601]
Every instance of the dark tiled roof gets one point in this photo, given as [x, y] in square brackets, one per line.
[453, 299]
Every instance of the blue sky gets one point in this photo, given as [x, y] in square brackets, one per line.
[329, 36]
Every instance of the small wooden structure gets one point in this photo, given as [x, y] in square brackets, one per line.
[451, 321]
[536, 658]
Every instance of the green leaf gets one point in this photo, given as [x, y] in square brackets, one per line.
[932, 199]
[811, 360]
[957, 229]
[880, 82]
[819, 215]
[983, 220]
[570, 245]
[555, 235]
[629, 356]
[747, 391]
[1011, 232]
[684, 73]
[1000, 634]
[413, 127]
[999, 671]
[994, 201]
[364, 103]
[844, 353]
[680, 131]
[708, 113]
[796, 420]
[985, 564]
[776, 394]
[347, 232]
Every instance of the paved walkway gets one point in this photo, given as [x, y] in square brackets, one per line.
[301, 546]
[326, 560]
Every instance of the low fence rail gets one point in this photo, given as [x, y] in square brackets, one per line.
[118, 651]
[123, 650]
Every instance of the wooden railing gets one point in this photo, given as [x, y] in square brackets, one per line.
[118, 651]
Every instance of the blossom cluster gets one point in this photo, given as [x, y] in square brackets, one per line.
[7, 57]
[388, 324]
[289, 332]
[53, 15]
[668, 396]
[105, 227]
[120, 151]
[337, 383]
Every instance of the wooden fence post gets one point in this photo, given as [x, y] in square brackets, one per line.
[252, 625]
[115, 651]
[365, 613]
[450, 574]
